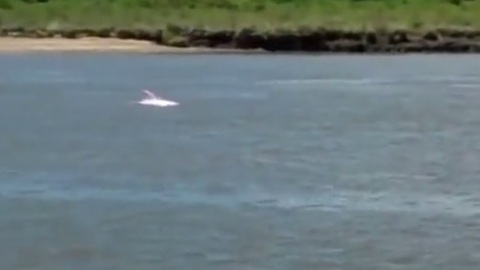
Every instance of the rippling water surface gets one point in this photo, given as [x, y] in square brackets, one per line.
[284, 162]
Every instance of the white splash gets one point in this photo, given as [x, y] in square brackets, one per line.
[153, 100]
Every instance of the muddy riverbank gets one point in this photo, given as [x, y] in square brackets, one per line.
[178, 39]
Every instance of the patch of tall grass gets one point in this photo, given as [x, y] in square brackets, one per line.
[235, 14]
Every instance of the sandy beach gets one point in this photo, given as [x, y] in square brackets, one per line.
[14, 44]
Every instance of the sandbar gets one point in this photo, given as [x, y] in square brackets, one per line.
[92, 44]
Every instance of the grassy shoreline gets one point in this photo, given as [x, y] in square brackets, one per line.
[237, 14]
[271, 25]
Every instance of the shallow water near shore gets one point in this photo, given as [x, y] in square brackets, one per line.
[269, 162]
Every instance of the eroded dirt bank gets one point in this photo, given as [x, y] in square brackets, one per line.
[197, 40]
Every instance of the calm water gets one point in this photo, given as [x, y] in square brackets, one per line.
[284, 162]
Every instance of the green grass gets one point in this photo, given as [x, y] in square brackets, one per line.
[235, 14]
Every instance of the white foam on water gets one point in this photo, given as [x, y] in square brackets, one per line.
[152, 100]
[158, 102]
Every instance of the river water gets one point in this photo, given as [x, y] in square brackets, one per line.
[269, 162]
